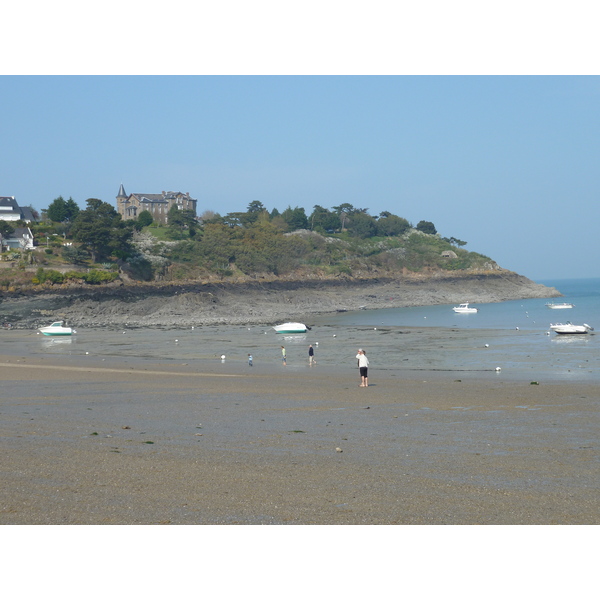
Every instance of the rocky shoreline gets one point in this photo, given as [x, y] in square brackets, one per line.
[254, 302]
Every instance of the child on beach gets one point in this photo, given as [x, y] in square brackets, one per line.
[283, 357]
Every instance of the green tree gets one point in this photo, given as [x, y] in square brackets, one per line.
[255, 209]
[234, 219]
[100, 230]
[217, 245]
[295, 218]
[344, 210]
[181, 219]
[455, 241]
[72, 210]
[362, 225]
[145, 219]
[57, 211]
[61, 210]
[74, 254]
[6, 229]
[390, 225]
[324, 220]
[426, 227]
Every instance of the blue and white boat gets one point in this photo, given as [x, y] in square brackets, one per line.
[57, 328]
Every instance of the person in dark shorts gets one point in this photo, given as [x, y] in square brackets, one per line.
[311, 356]
[363, 367]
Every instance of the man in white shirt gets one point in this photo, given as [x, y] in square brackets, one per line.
[363, 364]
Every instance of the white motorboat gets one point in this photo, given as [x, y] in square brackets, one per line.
[560, 305]
[568, 327]
[57, 328]
[464, 308]
[291, 328]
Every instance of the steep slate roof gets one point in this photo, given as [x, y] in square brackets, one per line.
[150, 197]
[21, 232]
[26, 214]
[121, 193]
[9, 202]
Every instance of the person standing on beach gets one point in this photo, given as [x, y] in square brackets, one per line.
[363, 367]
[283, 357]
[311, 356]
[249, 360]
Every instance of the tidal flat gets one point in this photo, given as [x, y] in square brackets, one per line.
[95, 437]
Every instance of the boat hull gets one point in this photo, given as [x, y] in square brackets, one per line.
[569, 328]
[290, 328]
[56, 333]
[56, 329]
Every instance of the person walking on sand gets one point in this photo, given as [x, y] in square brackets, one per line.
[283, 357]
[363, 367]
[249, 360]
[311, 356]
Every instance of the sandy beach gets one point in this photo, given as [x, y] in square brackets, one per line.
[88, 440]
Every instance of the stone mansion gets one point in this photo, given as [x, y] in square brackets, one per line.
[158, 205]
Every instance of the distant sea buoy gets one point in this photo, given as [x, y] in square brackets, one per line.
[487, 345]
[498, 369]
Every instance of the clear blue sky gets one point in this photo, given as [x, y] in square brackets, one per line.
[508, 164]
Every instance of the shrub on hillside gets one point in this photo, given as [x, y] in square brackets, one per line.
[48, 275]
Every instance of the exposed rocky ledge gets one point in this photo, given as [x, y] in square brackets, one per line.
[256, 302]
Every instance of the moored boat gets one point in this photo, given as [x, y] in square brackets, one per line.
[464, 308]
[57, 328]
[559, 305]
[291, 328]
[568, 327]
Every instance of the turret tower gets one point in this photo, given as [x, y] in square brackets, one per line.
[122, 201]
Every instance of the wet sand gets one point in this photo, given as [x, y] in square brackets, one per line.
[88, 440]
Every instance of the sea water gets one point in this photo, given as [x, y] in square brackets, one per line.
[512, 336]
[532, 314]
[504, 340]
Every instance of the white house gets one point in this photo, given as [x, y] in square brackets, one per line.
[11, 211]
[21, 239]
